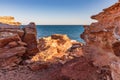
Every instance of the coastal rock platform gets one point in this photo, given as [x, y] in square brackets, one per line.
[23, 57]
[21, 53]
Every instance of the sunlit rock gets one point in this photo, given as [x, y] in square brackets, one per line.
[9, 20]
[52, 47]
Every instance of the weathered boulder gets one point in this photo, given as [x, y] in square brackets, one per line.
[17, 42]
[11, 46]
[52, 47]
[30, 37]
[55, 49]
[11, 51]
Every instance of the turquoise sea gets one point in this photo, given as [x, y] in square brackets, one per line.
[73, 31]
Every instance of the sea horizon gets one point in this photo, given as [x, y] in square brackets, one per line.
[72, 31]
[57, 25]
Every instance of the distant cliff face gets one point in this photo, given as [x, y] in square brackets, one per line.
[9, 20]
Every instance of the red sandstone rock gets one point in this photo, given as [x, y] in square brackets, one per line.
[80, 69]
[22, 43]
[116, 48]
[102, 40]
[12, 29]
[20, 32]
[38, 66]
[9, 62]
[6, 26]
[15, 42]
[6, 53]
[30, 38]
[6, 37]
[12, 44]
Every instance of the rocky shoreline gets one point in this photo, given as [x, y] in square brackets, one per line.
[19, 48]
[23, 57]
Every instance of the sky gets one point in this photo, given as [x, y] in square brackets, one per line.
[53, 12]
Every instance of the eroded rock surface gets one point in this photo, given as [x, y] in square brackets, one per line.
[10, 49]
[30, 37]
[15, 43]
[58, 58]
[102, 40]
[52, 47]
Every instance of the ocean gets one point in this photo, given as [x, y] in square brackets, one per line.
[73, 31]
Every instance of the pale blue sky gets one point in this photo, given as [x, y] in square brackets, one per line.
[53, 12]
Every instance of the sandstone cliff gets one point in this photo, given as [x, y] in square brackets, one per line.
[9, 20]
[102, 40]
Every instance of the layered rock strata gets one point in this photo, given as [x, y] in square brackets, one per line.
[10, 48]
[97, 59]
[30, 37]
[15, 43]
[102, 40]
[9, 20]
[54, 49]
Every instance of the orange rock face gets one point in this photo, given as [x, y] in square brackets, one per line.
[52, 47]
[9, 20]
[102, 40]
